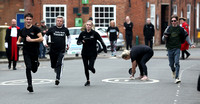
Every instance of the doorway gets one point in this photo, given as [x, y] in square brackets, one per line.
[164, 19]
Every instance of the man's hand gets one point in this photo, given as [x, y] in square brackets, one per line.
[67, 47]
[166, 36]
[45, 45]
[193, 46]
[28, 39]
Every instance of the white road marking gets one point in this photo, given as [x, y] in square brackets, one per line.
[24, 82]
[128, 81]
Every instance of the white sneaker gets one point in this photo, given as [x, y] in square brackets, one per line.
[177, 81]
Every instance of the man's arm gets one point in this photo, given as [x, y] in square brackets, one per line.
[134, 65]
[19, 40]
[39, 39]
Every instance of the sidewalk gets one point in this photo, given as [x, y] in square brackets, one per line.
[102, 55]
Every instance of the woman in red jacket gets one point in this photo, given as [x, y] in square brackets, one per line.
[185, 45]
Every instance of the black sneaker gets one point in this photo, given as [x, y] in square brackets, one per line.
[14, 68]
[9, 66]
[30, 88]
[87, 83]
[57, 82]
[93, 70]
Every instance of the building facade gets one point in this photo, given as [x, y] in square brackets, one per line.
[103, 11]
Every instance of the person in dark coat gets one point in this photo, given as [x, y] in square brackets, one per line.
[128, 26]
[198, 84]
[12, 34]
[149, 32]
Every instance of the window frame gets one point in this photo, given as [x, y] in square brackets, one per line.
[59, 5]
[104, 6]
[153, 15]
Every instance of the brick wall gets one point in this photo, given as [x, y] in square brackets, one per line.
[9, 9]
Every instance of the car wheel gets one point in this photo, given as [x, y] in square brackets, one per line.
[118, 48]
[98, 47]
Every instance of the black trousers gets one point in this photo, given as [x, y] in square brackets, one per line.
[129, 39]
[149, 42]
[57, 63]
[14, 63]
[88, 62]
[142, 63]
[32, 63]
[183, 53]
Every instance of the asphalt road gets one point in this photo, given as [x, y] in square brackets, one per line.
[110, 84]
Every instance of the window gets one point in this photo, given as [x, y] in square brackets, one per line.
[85, 10]
[197, 16]
[75, 10]
[175, 9]
[50, 12]
[188, 13]
[103, 14]
[153, 12]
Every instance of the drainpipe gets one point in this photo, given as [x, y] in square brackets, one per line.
[171, 7]
[194, 37]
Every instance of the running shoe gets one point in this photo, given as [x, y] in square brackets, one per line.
[93, 70]
[87, 83]
[144, 78]
[30, 88]
[177, 81]
[57, 82]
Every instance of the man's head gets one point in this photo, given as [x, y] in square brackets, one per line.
[112, 23]
[28, 18]
[128, 19]
[174, 20]
[126, 54]
[13, 22]
[89, 25]
[59, 21]
[42, 23]
[182, 20]
[148, 20]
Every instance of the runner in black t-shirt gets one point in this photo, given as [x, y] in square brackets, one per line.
[58, 35]
[128, 26]
[139, 55]
[89, 39]
[114, 34]
[31, 36]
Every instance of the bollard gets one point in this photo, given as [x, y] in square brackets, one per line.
[137, 40]
[2, 41]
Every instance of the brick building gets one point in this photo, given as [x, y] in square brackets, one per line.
[103, 11]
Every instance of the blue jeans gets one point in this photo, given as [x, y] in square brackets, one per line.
[42, 50]
[173, 56]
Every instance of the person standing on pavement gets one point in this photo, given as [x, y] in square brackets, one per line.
[89, 39]
[149, 32]
[128, 26]
[12, 51]
[58, 47]
[32, 37]
[114, 34]
[139, 56]
[174, 35]
[185, 45]
[42, 48]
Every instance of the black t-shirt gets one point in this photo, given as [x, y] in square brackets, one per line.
[137, 52]
[30, 47]
[89, 47]
[129, 28]
[113, 33]
[58, 39]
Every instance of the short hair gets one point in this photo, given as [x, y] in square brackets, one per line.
[149, 19]
[174, 16]
[125, 54]
[112, 21]
[28, 15]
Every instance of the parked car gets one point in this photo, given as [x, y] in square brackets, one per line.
[102, 32]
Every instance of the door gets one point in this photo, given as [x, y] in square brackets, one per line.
[20, 20]
[164, 19]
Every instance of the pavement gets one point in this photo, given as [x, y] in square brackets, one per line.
[101, 55]
[109, 85]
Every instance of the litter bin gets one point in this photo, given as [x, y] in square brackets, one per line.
[137, 40]
[2, 41]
